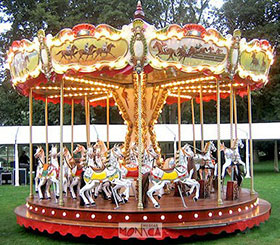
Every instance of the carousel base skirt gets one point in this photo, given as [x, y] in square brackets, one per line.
[171, 220]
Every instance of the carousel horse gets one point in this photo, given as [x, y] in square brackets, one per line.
[74, 170]
[232, 158]
[182, 173]
[50, 174]
[111, 172]
[40, 155]
[204, 160]
[100, 150]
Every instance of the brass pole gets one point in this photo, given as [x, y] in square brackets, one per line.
[193, 125]
[47, 133]
[72, 125]
[201, 117]
[139, 82]
[87, 125]
[179, 118]
[88, 110]
[231, 114]
[250, 138]
[220, 201]
[30, 144]
[235, 113]
[108, 119]
[60, 201]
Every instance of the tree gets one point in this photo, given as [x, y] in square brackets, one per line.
[28, 16]
[261, 20]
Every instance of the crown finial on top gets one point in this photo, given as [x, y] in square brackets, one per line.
[139, 13]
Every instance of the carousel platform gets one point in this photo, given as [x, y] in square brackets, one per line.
[171, 220]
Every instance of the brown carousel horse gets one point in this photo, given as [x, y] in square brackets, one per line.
[105, 51]
[68, 53]
[162, 50]
[91, 50]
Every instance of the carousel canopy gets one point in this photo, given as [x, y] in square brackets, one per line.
[97, 61]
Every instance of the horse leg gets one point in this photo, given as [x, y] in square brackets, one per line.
[194, 184]
[225, 166]
[89, 197]
[97, 189]
[86, 188]
[48, 189]
[105, 188]
[42, 182]
[73, 183]
[155, 187]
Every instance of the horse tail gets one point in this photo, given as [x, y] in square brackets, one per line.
[83, 183]
[145, 188]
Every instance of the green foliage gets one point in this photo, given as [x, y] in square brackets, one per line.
[256, 20]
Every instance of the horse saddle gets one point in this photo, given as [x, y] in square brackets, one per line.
[170, 176]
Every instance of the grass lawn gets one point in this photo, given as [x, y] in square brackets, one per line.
[267, 184]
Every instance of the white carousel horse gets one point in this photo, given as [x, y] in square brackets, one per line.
[182, 173]
[40, 155]
[77, 170]
[132, 161]
[74, 170]
[232, 156]
[50, 173]
[111, 172]
[203, 160]
[99, 151]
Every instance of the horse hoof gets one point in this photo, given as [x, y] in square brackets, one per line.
[57, 197]
[74, 198]
[41, 198]
[188, 193]
[195, 199]
[95, 196]
[36, 191]
[157, 206]
[159, 197]
[87, 205]
[125, 200]
[93, 204]
[48, 198]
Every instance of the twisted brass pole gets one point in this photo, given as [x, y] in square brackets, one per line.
[139, 82]
[220, 201]
[201, 117]
[193, 125]
[46, 129]
[60, 201]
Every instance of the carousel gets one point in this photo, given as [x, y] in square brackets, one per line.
[130, 190]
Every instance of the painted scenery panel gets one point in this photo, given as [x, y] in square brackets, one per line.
[88, 51]
[256, 62]
[188, 51]
[24, 63]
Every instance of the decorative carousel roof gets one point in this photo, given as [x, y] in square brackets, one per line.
[94, 61]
